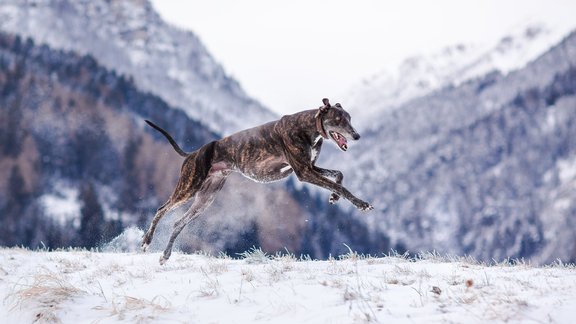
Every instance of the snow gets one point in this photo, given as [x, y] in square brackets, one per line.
[85, 287]
[62, 205]
[422, 74]
[131, 38]
[567, 169]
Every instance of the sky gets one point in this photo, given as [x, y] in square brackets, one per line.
[289, 54]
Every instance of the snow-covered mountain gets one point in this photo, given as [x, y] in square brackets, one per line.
[476, 157]
[484, 167]
[78, 164]
[88, 155]
[130, 37]
[420, 75]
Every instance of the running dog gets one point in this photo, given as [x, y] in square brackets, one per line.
[265, 153]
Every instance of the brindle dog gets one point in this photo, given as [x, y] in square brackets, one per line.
[265, 153]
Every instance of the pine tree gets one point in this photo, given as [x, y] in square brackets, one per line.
[10, 214]
[91, 217]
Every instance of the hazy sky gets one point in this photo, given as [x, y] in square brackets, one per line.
[288, 54]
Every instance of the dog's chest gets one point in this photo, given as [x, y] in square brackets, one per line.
[314, 153]
[315, 148]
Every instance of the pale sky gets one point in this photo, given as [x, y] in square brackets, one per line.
[288, 54]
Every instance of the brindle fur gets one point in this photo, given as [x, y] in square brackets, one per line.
[265, 153]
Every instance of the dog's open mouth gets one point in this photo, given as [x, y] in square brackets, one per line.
[340, 140]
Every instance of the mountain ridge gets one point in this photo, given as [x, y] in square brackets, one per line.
[420, 75]
[473, 169]
[78, 165]
[131, 38]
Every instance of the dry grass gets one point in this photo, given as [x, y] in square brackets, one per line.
[45, 295]
[142, 310]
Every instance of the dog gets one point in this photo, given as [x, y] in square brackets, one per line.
[265, 153]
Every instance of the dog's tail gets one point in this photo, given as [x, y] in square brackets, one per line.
[170, 139]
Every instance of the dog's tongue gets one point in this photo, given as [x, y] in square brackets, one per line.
[341, 141]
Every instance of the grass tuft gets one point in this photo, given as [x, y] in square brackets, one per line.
[254, 256]
[44, 295]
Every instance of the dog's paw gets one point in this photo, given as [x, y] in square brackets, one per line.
[163, 260]
[364, 206]
[370, 207]
[333, 199]
[144, 247]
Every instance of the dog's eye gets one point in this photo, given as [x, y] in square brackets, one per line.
[338, 119]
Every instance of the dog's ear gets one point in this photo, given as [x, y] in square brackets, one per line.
[324, 109]
[337, 105]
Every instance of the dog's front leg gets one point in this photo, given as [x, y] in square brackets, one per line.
[338, 177]
[306, 173]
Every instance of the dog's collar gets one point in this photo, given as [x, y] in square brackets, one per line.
[319, 126]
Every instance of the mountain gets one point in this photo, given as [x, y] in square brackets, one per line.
[74, 146]
[130, 37]
[418, 76]
[484, 167]
[78, 165]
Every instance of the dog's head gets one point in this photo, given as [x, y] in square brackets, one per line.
[337, 125]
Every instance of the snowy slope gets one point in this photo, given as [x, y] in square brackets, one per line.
[87, 287]
[130, 37]
[482, 168]
[420, 75]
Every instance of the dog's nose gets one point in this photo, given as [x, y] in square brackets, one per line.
[356, 136]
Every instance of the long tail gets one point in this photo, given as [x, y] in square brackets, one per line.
[170, 139]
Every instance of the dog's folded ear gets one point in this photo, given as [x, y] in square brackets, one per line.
[324, 108]
[337, 105]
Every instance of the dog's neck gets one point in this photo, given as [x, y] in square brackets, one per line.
[319, 125]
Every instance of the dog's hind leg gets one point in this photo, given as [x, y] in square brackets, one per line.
[184, 191]
[150, 233]
[203, 200]
[163, 210]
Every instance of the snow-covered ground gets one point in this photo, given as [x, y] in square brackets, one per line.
[78, 286]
